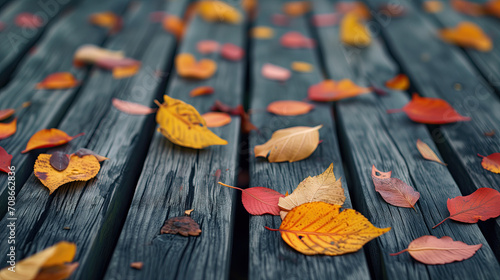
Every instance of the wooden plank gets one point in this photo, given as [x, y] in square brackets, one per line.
[92, 213]
[370, 136]
[54, 54]
[270, 256]
[175, 179]
[438, 69]
[16, 41]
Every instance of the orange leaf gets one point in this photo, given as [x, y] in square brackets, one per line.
[174, 25]
[300, 66]
[320, 228]
[430, 111]
[468, 35]
[296, 8]
[137, 265]
[400, 82]
[132, 108]
[203, 90]
[107, 20]
[491, 162]
[218, 11]
[126, 71]
[207, 46]
[8, 129]
[427, 152]
[47, 138]
[262, 32]
[216, 119]
[187, 67]
[353, 32]
[468, 8]
[57, 272]
[79, 169]
[493, 8]
[433, 6]
[357, 8]
[289, 108]
[5, 160]
[330, 90]
[61, 80]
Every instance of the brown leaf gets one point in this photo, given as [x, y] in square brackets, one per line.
[83, 152]
[184, 226]
[59, 161]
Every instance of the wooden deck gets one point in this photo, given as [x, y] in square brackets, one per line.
[115, 219]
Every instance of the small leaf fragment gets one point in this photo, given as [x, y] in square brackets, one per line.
[174, 25]
[132, 108]
[8, 129]
[323, 20]
[6, 113]
[59, 161]
[207, 46]
[300, 66]
[218, 11]
[427, 152]
[183, 225]
[295, 40]
[5, 160]
[296, 8]
[432, 6]
[259, 200]
[108, 20]
[137, 265]
[262, 32]
[468, 8]
[47, 138]
[188, 212]
[491, 162]
[28, 20]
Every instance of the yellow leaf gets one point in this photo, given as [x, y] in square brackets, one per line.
[290, 144]
[353, 32]
[320, 228]
[213, 11]
[183, 125]
[49, 261]
[262, 32]
[79, 169]
[468, 35]
[323, 187]
[300, 66]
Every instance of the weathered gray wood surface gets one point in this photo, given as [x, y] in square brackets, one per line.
[370, 136]
[270, 256]
[438, 69]
[175, 179]
[54, 54]
[91, 214]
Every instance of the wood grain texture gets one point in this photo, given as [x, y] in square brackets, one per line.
[54, 54]
[270, 256]
[92, 213]
[370, 136]
[438, 69]
[175, 179]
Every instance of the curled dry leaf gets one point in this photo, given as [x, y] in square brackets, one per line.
[182, 125]
[296, 8]
[137, 265]
[218, 11]
[84, 152]
[353, 32]
[184, 226]
[90, 54]
[51, 263]
[290, 144]
[357, 8]
[259, 200]
[482, 204]
[289, 108]
[274, 72]
[207, 46]
[59, 161]
[427, 152]
[5, 160]
[295, 40]
[468, 35]
[320, 228]
[330, 90]
[433, 6]
[61, 80]
[203, 90]
[393, 190]
[132, 108]
[400, 82]
[216, 119]
[187, 67]
[232, 52]
[8, 129]
[262, 32]
[491, 162]
[174, 25]
[300, 66]
[429, 249]
[324, 187]
[79, 169]
[430, 111]
[107, 20]
[324, 20]
[468, 8]
[28, 20]
[47, 138]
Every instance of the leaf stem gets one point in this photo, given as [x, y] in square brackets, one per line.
[78, 135]
[230, 186]
[398, 253]
[271, 229]
[440, 223]
[481, 156]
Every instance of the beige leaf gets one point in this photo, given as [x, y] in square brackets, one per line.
[290, 144]
[427, 153]
[323, 187]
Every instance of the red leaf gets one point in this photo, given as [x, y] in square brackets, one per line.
[429, 249]
[482, 204]
[47, 138]
[132, 108]
[232, 52]
[393, 190]
[259, 200]
[430, 111]
[5, 160]
[274, 72]
[8, 129]
[207, 46]
[491, 162]
[295, 40]
[28, 20]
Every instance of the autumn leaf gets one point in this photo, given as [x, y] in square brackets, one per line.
[47, 138]
[8, 129]
[203, 90]
[324, 187]
[492, 7]
[429, 249]
[183, 225]
[320, 228]
[330, 90]
[491, 162]
[137, 265]
[353, 32]
[174, 25]
[274, 72]
[400, 82]
[468, 35]
[259, 200]
[5, 160]
[61, 80]
[59, 161]
[468, 8]
[430, 111]
[107, 20]
[182, 125]
[216, 119]
[28, 20]
[393, 190]
[289, 108]
[232, 52]
[79, 169]
[7, 113]
[131, 107]
[290, 144]
[90, 54]
[482, 204]
[262, 32]
[207, 46]
[84, 152]
[121, 67]
[433, 6]
[355, 7]
[427, 152]
[296, 8]
[300, 66]
[218, 11]
[50, 263]
[323, 20]
[121, 72]
[295, 40]
[187, 67]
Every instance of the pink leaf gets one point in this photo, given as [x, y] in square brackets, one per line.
[393, 190]
[274, 72]
[232, 52]
[132, 108]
